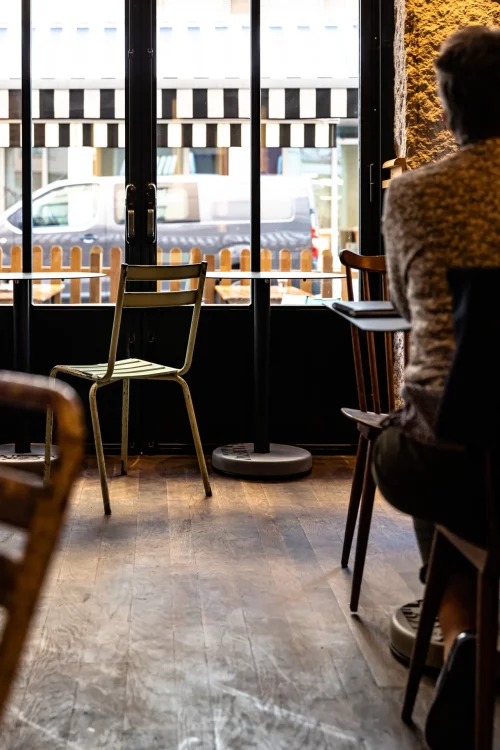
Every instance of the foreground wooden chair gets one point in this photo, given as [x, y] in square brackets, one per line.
[371, 269]
[36, 508]
[137, 369]
[463, 420]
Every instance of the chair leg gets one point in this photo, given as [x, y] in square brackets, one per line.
[436, 581]
[365, 520]
[125, 418]
[354, 500]
[487, 634]
[196, 435]
[49, 427]
[99, 449]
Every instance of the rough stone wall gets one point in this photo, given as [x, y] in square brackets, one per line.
[421, 27]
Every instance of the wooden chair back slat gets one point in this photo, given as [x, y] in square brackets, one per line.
[163, 273]
[159, 299]
[45, 503]
[368, 266]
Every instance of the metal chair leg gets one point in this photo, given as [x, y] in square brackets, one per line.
[49, 427]
[99, 449]
[436, 582]
[354, 500]
[196, 436]
[365, 520]
[487, 633]
[125, 419]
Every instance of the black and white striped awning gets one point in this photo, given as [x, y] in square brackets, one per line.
[197, 118]
[173, 135]
[186, 104]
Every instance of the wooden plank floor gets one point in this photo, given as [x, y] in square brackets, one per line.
[183, 622]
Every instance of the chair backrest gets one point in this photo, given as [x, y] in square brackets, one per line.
[35, 507]
[369, 266]
[469, 412]
[157, 299]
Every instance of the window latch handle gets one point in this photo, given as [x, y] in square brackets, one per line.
[130, 205]
[151, 211]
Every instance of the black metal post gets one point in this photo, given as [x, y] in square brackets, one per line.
[261, 288]
[22, 289]
[141, 171]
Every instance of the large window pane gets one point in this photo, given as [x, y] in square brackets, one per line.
[310, 83]
[78, 155]
[203, 140]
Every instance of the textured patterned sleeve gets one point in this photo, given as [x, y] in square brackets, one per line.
[397, 234]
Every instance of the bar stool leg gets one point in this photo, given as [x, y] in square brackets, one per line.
[365, 519]
[354, 500]
[436, 581]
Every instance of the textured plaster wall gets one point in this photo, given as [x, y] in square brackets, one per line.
[421, 27]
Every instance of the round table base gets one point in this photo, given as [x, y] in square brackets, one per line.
[282, 462]
[403, 631]
[33, 462]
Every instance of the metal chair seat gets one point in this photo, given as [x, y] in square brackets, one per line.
[124, 368]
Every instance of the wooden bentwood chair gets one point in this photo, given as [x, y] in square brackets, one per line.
[36, 508]
[137, 369]
[470, 418]
[368, 422]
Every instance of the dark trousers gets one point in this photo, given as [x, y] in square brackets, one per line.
[434, 484]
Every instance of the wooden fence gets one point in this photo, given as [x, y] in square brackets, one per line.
[222, 262]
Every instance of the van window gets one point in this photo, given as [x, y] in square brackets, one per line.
[174, 203]
[68, 206]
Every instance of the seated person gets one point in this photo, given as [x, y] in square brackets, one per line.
[440, 216]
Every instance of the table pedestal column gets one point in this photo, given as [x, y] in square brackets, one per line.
[262, 459]
[22, 358]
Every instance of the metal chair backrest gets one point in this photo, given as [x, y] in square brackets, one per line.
[368, 266]
[37, 508]
[469, 412]
[158, 299]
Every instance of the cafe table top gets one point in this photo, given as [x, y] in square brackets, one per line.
[376, 323]
[276, 275]
[48, 275]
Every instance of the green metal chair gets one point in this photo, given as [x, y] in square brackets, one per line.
[137, 369]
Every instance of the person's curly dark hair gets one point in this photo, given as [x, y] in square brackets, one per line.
[468, 74]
